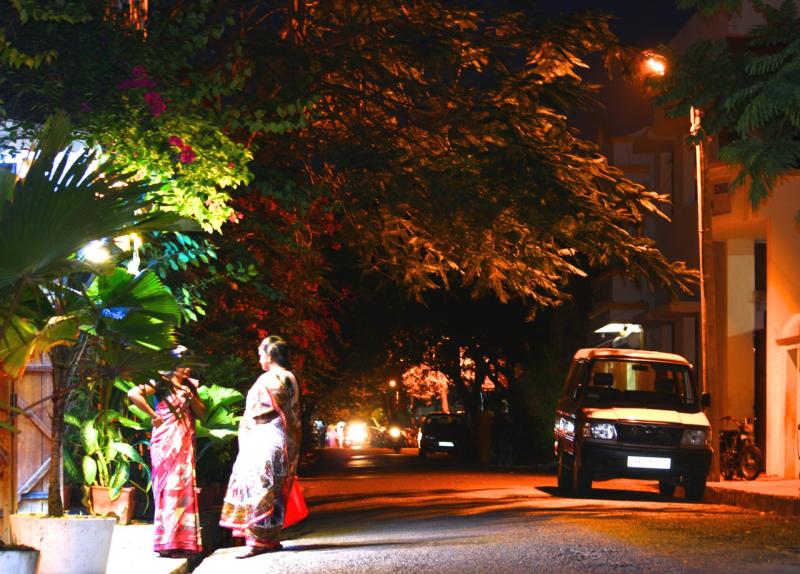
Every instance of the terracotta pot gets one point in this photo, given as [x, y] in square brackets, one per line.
[19, 560]
[63, 541]
[123, 507]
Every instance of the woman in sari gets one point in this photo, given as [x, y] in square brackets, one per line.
[269, 439]
[176, 521]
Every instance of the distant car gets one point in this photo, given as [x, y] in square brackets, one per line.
[443, 432]
[356, 434]
[627, 413]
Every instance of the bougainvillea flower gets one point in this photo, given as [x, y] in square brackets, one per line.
[155, 102]
[187, 155]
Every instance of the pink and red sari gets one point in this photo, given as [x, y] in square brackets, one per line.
[172, 455]
[269, 440]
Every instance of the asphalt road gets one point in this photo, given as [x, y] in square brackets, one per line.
[373, 511]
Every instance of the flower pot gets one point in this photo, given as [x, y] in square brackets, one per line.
[64, 542]
[19, 560]
[123, 507]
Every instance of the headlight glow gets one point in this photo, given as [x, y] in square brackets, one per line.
[394, 432]
[603, 431]
[565, 426]
[357, 433]
[695, 437]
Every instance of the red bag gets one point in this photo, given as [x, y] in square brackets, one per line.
[296, 509]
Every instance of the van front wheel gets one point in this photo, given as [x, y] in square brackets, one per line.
[564, 474]
[581, 480]
[695, 488]
[666, 488]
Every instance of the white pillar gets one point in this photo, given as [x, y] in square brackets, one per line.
[739, 361]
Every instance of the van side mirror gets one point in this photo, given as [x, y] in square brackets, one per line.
[705, 400]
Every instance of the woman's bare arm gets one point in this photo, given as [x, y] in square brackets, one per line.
[195, 402]
[137, 396]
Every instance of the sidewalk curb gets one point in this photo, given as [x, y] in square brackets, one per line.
[781, 505]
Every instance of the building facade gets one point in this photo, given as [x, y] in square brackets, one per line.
[756, 275]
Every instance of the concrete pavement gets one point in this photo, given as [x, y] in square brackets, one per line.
[766, 493]
[132, 553]
[131, 546]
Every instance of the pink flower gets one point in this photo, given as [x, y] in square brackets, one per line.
[139, 80]
[155, 102]
[176, 141]
[187, 155]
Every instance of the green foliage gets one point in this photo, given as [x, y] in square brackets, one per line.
[133, 102]
[52, 299]
[20, 12]
[218, 428]
[107, 457]
[47, 218]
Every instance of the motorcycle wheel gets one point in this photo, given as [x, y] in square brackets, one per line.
[750, 462]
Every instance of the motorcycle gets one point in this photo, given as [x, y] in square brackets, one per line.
[394, 438]
[738, 454]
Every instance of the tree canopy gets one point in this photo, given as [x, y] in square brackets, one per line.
[747, 90]
[439, 133]
[423, 143]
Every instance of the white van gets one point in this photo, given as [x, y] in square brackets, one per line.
[633, 414]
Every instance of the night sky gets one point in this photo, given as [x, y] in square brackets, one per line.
[646, 23]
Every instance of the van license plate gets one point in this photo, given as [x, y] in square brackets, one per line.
[445, 443]
[649, 462]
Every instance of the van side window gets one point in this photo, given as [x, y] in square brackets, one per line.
[575, 376]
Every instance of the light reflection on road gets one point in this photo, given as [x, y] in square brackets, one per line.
[361, 461]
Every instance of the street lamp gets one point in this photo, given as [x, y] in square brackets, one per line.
[393, 385]
[656, 65]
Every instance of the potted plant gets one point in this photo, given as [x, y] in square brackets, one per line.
[67, 199]
[106, 466]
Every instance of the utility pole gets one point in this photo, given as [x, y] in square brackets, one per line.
[708, 307]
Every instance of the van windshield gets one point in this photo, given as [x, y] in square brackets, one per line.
[640, 383]
[443, 420]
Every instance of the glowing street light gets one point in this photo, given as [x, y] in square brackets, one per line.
[655, 64]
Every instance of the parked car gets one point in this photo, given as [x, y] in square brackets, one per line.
[443, 432]
[633, 414]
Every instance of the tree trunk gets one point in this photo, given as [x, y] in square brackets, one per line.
[58, 357]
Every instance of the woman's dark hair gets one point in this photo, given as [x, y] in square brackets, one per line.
[277, 350]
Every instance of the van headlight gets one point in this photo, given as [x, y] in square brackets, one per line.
[602, 431]
[565, 426]
[695, 437]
